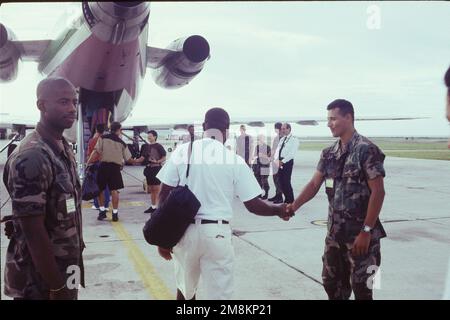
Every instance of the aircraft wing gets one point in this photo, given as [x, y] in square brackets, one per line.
[307, 121]
[182, 123]
[31, 50]
[8, 121]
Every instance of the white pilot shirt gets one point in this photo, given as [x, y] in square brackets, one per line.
[216, 175]
[290, 148]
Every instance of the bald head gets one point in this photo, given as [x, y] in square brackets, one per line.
[57, 101]
[217, 118]
[216, 124]
[47, 87]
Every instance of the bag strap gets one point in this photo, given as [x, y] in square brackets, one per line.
[189, 159]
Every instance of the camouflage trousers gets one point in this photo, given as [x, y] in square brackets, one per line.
[33, 293]
[343, 273]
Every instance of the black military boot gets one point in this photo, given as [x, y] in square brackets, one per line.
[149, 210]
[101, 215]
[266, 194]
[277, 197]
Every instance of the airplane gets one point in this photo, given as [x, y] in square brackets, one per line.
[117, 32]
[173, 131]
[104, 53]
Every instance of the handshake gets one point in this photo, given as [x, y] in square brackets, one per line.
[285, 211]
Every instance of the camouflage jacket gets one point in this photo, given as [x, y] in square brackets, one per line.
[346, 173]
[41, 178]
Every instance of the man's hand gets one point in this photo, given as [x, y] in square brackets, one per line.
[361, 244]
[290, 209]
[279, 163]
[165, 253]
[9, 226]
[9, 229]
[282, 212]
[290, 212]
[63, 294]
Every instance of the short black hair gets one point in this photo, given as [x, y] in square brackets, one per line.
[100, 128]
[288, 125]
[447, 78]
[115, 126]
[217, 118]
[345, 107]
[278, 125]
[153, 133]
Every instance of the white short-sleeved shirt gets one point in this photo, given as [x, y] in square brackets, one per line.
[216, 175]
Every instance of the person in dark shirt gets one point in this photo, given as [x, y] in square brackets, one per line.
[244, 145]
[99, 130]
[261, 163]
[153, 155]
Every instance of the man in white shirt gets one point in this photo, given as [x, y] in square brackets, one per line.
[190, 136]
[284, 155]
[216, 174]
[278, 197]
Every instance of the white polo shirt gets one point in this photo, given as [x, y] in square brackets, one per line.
[290, 148]
[216, 175]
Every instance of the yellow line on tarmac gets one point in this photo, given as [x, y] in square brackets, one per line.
[87, 205]
[152, 282]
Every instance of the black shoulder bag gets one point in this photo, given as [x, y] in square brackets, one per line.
[169, 222]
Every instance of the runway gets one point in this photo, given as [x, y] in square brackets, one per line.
[278, 260]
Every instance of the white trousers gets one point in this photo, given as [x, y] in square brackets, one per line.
[205, 250]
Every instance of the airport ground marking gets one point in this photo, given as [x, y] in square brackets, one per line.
[281, 260]
[319, 222]
[88, 205]
[153, 283]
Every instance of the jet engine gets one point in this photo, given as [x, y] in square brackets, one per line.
[184, 62]
[9, 55]
[116, 22]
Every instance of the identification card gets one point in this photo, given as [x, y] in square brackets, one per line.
[70, 205]
[329, 183]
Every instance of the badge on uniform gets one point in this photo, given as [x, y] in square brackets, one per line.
[329, 183]
[70, 205]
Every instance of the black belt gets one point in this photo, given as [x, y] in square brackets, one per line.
[203, 221]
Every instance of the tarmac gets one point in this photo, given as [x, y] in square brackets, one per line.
[275, 259]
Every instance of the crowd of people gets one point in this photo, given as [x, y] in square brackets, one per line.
[46, 230]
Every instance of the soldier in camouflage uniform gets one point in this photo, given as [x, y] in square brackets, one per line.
[44, 256]
[353, 171]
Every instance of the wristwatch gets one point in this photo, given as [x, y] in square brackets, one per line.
[366, 229]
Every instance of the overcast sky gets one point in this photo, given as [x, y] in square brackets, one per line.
[282, 58]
